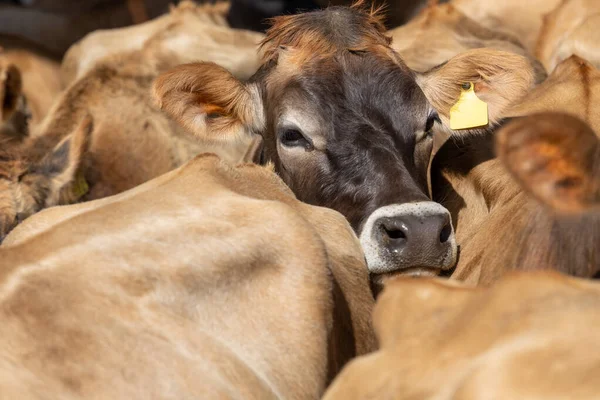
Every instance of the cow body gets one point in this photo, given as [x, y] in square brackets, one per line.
[442, 31]
[131, 141]
[527, 336]
[570, 29]
[499, 226]
[189, 32]
[208, 281]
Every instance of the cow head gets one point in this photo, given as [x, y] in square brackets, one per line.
[345, 124]
[27, 186]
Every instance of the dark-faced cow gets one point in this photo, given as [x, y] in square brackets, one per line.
[346, 125]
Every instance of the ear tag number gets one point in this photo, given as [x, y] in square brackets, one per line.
[469, 111]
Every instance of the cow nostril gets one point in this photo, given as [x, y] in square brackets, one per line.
[395, 233]
[445, 233]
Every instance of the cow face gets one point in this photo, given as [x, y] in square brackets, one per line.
[345, 124]
[27, 186]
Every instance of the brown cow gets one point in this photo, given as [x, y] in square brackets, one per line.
[210, 281]
[189, 32]
[441, 32]
[520, 19]
[346, 125]
[572, 28]
[499, 227]
[29, 84]
[529, 336]
[526, 336]
[132, 141]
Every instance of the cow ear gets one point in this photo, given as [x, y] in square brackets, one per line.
[62, 167]
[209, 101]
[10, 90]
[555, 158]
[500, 79]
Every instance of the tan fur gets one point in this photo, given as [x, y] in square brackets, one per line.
[486, 202]
[571, 88]
[247, 309]
[41, 80]
[29, 84]
[527, 336]
[500, 79]
[441, 32]
[556, 157]
[571, 28]
[132, 140]
[206, 99]
[188, 33]
[521, 19]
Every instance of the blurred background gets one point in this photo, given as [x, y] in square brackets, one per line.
[51, 26]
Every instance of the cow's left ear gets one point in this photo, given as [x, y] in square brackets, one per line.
[209, 101]
[10, 90]
[556, 157]
[61, 168]
[499, 78]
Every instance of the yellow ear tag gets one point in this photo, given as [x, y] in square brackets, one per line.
[469, 111]
[80, 187]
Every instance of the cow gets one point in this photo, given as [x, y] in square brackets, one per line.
[130, 140]
[29, 84]
[571, 28]
[519, 19]
[441, 31]
[526, 336]
[477, 338]
[499, 226]
[209, 281]
[346, 125]
[189, 32]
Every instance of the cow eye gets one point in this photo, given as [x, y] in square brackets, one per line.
[291, 137]
[431, 120]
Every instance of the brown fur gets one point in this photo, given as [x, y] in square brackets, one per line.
[130, 144]
[571, 28]
[500, 79]
[499, 226]
[441, 32]
[254, 281]
[188, 33]
[40, 81]
[132, 140]
[556, 157]
[300, 32]
[527, 336]
[520, 19]
[218, 94]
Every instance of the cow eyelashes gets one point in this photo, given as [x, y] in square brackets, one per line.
[291, 137]
[431, 120]
[427, 132]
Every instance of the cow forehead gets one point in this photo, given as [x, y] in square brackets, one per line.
[363, 86]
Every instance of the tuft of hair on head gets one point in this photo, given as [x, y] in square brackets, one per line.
[319, 33]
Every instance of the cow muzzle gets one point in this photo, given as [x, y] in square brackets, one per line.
[414, 239]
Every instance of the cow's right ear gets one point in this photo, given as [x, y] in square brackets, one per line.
[209, 101]
[555, 157]
[10, 90]
[499, 78]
